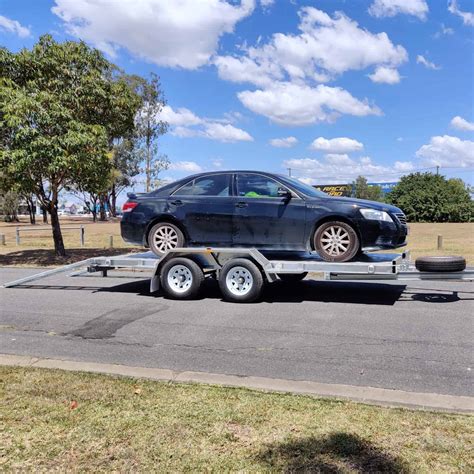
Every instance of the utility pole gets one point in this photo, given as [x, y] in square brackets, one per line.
[437, 170]
[289, 172]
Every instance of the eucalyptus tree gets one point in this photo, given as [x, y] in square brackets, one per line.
[62, 105]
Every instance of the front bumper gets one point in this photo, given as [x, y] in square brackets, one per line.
[377, 235]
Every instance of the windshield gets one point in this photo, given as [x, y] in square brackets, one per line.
[305, 189]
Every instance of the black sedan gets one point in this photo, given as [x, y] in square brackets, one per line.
[261, 210]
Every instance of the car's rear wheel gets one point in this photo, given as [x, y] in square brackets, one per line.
[336, 241]
[165, 236]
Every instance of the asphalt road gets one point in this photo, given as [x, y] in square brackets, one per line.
[417, 337]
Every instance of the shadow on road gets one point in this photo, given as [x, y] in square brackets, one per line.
[308, 290]
[336, 453]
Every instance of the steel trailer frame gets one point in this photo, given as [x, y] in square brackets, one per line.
[369, 267]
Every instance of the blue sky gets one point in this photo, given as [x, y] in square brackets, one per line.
[329, 88]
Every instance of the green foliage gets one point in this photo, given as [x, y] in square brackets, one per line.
[150, 127]
[61, 107]
[427, 197]
[364, 191]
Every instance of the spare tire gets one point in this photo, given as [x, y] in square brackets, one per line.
[440, 264]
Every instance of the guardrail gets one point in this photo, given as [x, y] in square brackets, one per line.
[81, 228]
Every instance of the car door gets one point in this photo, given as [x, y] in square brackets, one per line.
[205, 207]
[265, 219]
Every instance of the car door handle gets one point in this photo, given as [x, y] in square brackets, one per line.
[241, 204]
[178, 202]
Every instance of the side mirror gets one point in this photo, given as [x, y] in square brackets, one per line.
[284, 193]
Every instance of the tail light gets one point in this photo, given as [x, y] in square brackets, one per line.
[129, 206]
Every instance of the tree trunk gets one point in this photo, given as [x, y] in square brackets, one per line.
[31, 209]
[148, 164]
[45, 215]
[103, 216]
[113, 201]
[57, 236]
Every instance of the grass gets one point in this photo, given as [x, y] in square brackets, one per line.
[458, 239]
[56, 420]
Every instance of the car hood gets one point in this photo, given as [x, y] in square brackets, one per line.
[363, 203]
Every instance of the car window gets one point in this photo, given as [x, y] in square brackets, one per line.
[214, 185]
[256, 185]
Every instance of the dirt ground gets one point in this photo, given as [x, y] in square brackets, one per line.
[35, 245]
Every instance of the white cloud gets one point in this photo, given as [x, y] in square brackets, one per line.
[384, 8]
[179, 117]
[467, 17]
[186, 123]
[294, 104]
[13, 26]
[188, 166]
[267, 3]
[447, 151]
[179, 33]
[444, 31]
[336, 145]
[287, 142]
[385, 75]
[339, 159]
[342, 169]
[422, 60]
[217, 163]
[226, 133]
[462, 124]
[325, 47]
[404, 166]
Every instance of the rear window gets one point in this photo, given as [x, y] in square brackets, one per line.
[214, 185]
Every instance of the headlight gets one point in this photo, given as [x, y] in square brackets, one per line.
[373, 215]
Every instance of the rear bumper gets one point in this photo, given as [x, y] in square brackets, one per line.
[132, 231]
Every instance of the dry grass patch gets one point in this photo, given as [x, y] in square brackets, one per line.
[55, 420]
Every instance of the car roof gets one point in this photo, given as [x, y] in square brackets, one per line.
[207, 173]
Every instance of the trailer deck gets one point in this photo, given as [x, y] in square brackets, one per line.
[371, 266]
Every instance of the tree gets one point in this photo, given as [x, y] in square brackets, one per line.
[54, 101]
[150, 127]
[428, 197]
[362, 190]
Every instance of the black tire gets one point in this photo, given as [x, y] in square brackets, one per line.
[181, 278]
[440, 264]
[348, 244]
[292, 277]
[163, 237]
[248, 290]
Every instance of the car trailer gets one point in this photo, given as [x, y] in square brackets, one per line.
[243, 272]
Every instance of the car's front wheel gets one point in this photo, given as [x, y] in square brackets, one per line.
[165, 236]
[336, 241]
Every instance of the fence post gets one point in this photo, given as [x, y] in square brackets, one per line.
[440, 242]
[18, 236]
[111, 241]
[2, 239]
[82, 231]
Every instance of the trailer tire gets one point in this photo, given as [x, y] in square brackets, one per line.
[440, 264]
[181, 278]
[292, 277]
[240, 281]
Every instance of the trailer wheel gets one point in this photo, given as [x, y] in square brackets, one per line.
[292, 277]
[440, 264]
[181, 278]
[240, 281]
